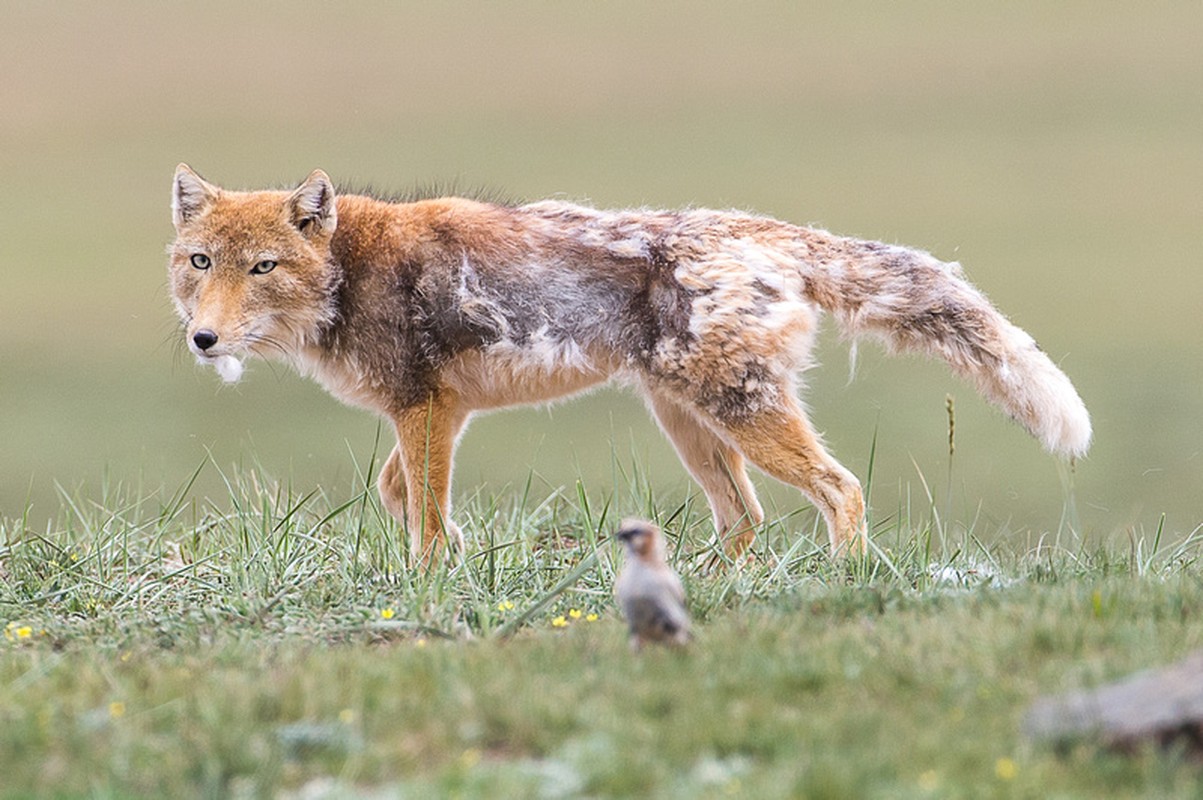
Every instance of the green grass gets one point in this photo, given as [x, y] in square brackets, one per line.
[275, 643]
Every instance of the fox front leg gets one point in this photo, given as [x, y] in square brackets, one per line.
[415, 484]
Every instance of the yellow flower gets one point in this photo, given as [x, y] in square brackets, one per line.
[387, 613]
[505, 605]
[591, 617]
[575, 613]
[24, 632]
[1005, 769]
[559, 622]
[116, 709]
[420, 642]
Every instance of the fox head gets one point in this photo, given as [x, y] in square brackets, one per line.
[251, 272]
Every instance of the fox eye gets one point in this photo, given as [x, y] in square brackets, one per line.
[201, 261]
[263, 267]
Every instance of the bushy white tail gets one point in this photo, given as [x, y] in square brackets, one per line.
[916, 303]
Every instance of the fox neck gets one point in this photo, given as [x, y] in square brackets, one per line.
[340, 350]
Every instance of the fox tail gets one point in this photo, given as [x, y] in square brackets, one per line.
[916, 303]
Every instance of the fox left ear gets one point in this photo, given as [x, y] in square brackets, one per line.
[311, 206]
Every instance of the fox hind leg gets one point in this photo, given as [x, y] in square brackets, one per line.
[780, 441]
[717, 467]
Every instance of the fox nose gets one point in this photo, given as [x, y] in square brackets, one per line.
[204, 338]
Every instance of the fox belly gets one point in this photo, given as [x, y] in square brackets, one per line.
[505, 374]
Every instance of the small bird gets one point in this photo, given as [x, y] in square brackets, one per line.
[649, 593]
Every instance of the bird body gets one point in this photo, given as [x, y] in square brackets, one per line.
[649, 593]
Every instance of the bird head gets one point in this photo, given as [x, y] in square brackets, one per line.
[641, 538]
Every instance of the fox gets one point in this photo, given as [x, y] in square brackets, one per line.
[426, 311]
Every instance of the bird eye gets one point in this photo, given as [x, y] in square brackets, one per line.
[263, 267]
[201, 261]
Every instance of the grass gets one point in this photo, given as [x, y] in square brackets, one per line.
[275, 644]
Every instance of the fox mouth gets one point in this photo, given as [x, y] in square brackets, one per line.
[209, 355]
[206, 356]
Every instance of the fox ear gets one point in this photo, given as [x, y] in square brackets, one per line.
[190, 195]
[311, 206]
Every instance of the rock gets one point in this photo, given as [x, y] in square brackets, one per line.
[1163, 706]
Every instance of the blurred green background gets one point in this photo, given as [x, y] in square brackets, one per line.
[1055, 149]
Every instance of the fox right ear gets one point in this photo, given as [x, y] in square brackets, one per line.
[190, 195]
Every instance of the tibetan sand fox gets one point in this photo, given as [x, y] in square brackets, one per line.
[427, 311]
